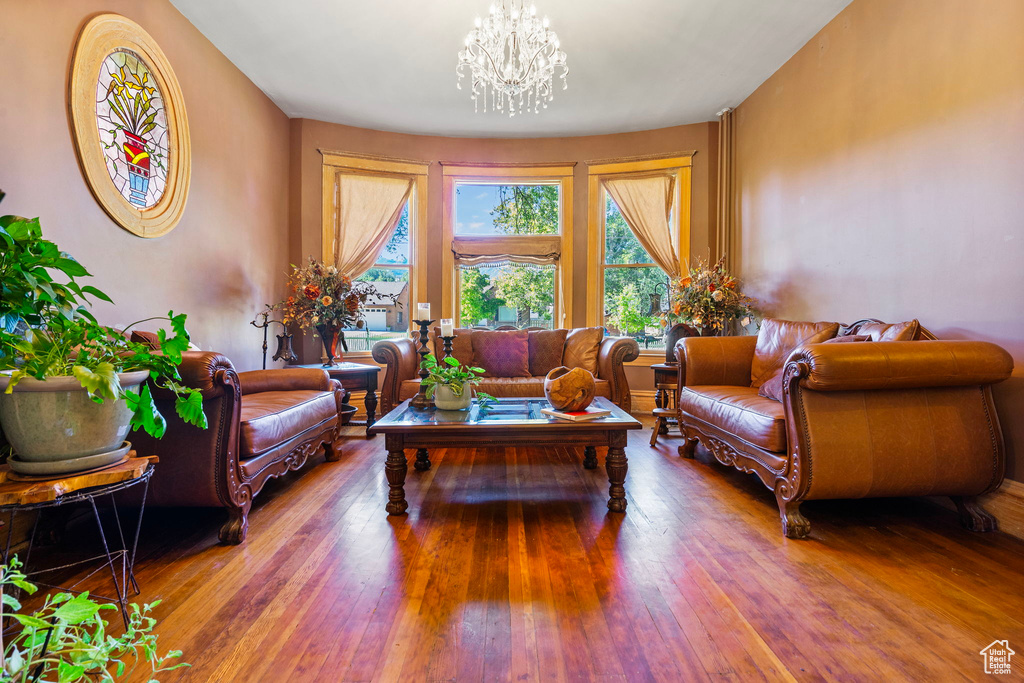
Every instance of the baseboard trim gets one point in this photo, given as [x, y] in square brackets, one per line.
[642, 402]
[1006, 503]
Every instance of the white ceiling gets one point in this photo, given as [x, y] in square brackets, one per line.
[390, 64]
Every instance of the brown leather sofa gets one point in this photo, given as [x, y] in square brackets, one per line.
[401, 380]
[261, 425]
[856, 420]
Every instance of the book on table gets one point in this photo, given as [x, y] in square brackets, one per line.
[590, 413]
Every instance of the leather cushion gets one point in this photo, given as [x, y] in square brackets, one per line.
[462, 345]
[773, 387]
[546, 347]
[581, 348]
[905, 331]
[505, 387]
[501, 353]
[739, 411]
[270, 418]
[777, 339]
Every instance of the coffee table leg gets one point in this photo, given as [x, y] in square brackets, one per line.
[371, 409]
[615, 464]
[395, 469]
[422, 460]
[590, 458]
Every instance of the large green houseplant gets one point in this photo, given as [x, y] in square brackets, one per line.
[57, 363]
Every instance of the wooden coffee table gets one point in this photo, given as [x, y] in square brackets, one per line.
[506, 421]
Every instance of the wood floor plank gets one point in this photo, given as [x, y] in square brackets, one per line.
[509, 567]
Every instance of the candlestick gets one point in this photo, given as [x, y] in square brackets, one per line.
[420, 400]
[423, 311]
[447, 328]
[447, 341]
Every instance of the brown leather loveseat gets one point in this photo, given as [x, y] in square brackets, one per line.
[516, 361]
[261, 425]
[853, 420]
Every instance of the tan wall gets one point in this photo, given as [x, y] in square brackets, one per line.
[310, 136]
[228, 255]
[879, 175]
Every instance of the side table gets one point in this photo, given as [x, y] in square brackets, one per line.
[24, 494]
[666, 380]
[355, 377]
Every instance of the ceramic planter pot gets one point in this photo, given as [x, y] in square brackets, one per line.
[55, 420]
[569, 389]
[445, 398]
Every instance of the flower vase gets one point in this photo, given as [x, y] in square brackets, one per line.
[138, 159]
[330, 335]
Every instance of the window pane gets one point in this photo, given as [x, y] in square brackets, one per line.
[506, 209]
[516, 294]
[620, 244]
[397, 249]
[383, 319]
[627, 304]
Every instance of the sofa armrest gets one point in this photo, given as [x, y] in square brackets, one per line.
[285, 379]
[207, 371]
[611, 355]
[402, 363]
[718, 361]
[900, 365]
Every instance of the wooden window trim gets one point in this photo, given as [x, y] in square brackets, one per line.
[336, 163]
[597, 170]
[509, 174]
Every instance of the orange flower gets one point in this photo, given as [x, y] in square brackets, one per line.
[327, 301]
[311, 291]
[685, 282]
[677, 308]
[731, 284]
[290, 301]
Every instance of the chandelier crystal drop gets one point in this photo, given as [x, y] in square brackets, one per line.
[512, 56]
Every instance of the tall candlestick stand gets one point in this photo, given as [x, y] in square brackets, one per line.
[284, 341]
[420, 400]
[447, 346]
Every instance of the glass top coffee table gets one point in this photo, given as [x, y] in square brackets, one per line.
[503, 422]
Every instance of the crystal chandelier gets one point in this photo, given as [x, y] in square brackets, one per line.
[513, 55]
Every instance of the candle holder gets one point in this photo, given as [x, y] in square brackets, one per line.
[420, 400]
[447, 341]
[284, 341]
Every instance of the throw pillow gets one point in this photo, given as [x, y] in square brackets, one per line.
[905, 331]
[777, 339]
[581, 347]
[546, 348]
[772, 388]
[502, 354]
[462, 344]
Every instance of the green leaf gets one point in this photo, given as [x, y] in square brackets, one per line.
[10, 601]
[89, 289]
[70, 267]
[69, 673]
[30, 621]
[101, 381]
[190, 409]
[451, 360]
[78, 609]
[174, 346]
[145, 416]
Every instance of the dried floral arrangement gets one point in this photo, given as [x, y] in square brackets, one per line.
[707, 298]
[323, 296]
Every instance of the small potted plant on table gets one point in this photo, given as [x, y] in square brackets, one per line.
[450, 384]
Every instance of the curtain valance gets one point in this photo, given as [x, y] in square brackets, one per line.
[471, 250]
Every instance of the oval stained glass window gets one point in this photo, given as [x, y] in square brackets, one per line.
[132, 126]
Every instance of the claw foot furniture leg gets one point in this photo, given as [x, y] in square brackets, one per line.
[794, 524]
[973, 516]
[395, 469]
[234, 530]
[590, 458]
[332, 450]
[689, 448]
[615, 464]
[422, 460]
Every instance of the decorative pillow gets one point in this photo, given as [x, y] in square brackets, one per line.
[150, 339]
[581, 347]
[848, 338]
[502, 354]
[546, 348]
[462, 344]
[777, 339]
[905, 331]
[772, 388]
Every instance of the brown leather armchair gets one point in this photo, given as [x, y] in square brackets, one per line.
[901, 418]
[402, 362]
[261, 425]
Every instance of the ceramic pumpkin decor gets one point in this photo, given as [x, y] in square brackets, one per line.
[130, 127]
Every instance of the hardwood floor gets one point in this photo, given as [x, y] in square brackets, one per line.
[509, 567]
